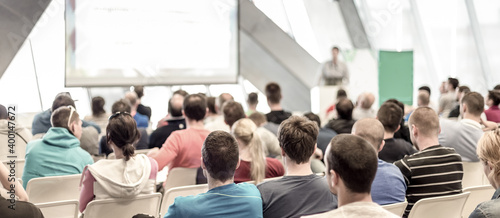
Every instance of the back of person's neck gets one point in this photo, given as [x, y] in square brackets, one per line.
[214, 183]
[425, 142]
[346, 197]
[275, 107]
[294, 169]
[388, 135]
[472, 117]
[191, 123]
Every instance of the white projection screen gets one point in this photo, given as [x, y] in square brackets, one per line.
[151, 42]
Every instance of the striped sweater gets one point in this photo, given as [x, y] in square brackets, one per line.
[432, 172]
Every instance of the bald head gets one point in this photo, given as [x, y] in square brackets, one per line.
[132, 98]
[175, 105]
[426, 120]
[371, 130]
[366, 100]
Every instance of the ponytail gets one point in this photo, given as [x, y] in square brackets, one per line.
[258, 166]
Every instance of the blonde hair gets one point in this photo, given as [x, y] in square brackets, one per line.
[244, 130]
[488, 150]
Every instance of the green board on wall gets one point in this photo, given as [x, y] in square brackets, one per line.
[395, 76]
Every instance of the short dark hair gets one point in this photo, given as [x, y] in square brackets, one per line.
[60, 116]
[98, 105]
[258, 118]
[122, 105]
[181, 92]
[335, 48]
[465, 89]
[122, 131]
[273, 92]
[223, 98]
[390, 115]
[497, 87]
[175, 110]
[494, 95]
[313, 117]
[220, 155]
[139, 90]
[211, 104]
[297, 136]
[3, 113]
[341, 93]
[454, 82]
[354, 160]
[474, 102]
[425, 88]
[344, 108]
[253, 98]
[232, 111]
[195, 107]
[62, 99]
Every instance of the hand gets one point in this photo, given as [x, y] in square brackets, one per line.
[489, 125]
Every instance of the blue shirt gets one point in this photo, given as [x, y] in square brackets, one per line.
[142, 120]
[488, 208]
[233, 200]
[389, 186]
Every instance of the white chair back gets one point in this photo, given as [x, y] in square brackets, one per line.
[396, 208]
[59, 209]
[478, 194]
[473, 174]
[146, 204]
[180, 176]
[54, 188]
[449, 206]
[171, 194]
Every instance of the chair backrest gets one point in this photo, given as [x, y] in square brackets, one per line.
[145, 204]
[396, 208]
[171, 194]
[59, 209]
[478, 194]
[180, 176]
[54, 188]
[473, 174]
[19, 166]
[449, 206]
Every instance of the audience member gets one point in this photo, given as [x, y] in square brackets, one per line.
[216, 121]
[325, 135]
[273, 94]
[403, 132]
[299, 192]
[99, 115]
[389, 114]
[261, 121]
[58, 152]
[22, 136]
[142, 109]
[252, 101]
[431, 103]
[125, 177]
[497, 87]
[462, 90]
[389, 186]
[183, 147]
[164, 120]
[232, 111]
[352, 165]
[344, 122]
[363, 107]
[463, 135]
[488, 151]
[330, 111]
[219, 160]
[15, 205]
[142, 120]
[11, 185]
[175, 122]
[493, 101]
[253, 163]
[448, 100]
[433, 171]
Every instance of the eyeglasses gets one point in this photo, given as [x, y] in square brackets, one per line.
[70, 114]
[117, 114]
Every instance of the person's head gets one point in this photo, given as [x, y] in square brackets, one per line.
[341, 93]
[244, 132]
[297, 137]
[425, 88]
[122, 105]
[253, 99]
[122, 133]
[452, 84]
[401, 105]
[390, 115]
[220, 156]
[139, 90]
[67, 117]
[232, 111]
[344, 109]
[335, 51]
[62, 99]
[273, 93]
[3, 113]
[211, 105]
[132, 98]
[493, 98]
[351, 163]
[497, 87]
[423, 123]
[313, 117]
[462, 90]
[258, 118]
[98, 105]
[181, 92]
[366, 100]
[488, 151]
[473, 104]
[423, 99]
[175, 105]
[194, 107]
[371, 130]
[223, 98]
